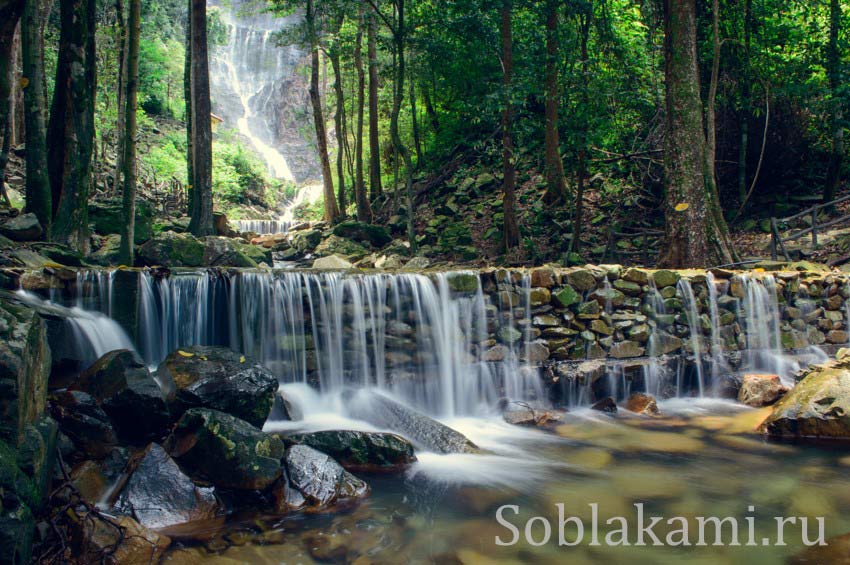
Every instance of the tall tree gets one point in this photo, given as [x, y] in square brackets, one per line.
[375, 188]
[833, 70]
[585, 18]
[399, 32]
[187, 117]
[10, 14]
[310, 17]
[130, 167]
[120, 122]
[556, 186]
[202, 222]
[334, 55]
[364, 210]
[511, 227]
[38, 197]
[71, 127]
[693, 237]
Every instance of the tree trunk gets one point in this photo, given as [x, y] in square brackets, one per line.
[71, 128]
[375, 188]
[202, 223]
[339, 122]
[120, 122]
[691, 233]
[187, 114]
[433, 118]
[721, 242]
[38, 197]
[15, 113]
[364, 210]
[556, 187]
[511, 228]
[10, 13]
[331, 209]
[129, 190]
[833, 69]
[744, 117]
[581, 165]
[414, 122]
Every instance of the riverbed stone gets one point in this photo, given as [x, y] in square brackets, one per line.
[566, 296]
[129, 395]
[121, 541]
[24, 227]
[759, 390]
[626, 349]
[221, 379]
[333, 263]
[581, 279]
[664, 278]
[608, 297]
[172, 250]
[321, 480]
[363, 233]
[543, 277]
[84, 422]
[627, 287]
[641, 403]
[159, 495]
[817, 407]
[635, 275]
[539, 297]
[357, 451]
[221, 449]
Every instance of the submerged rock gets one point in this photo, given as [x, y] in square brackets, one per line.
[761, 390]
[817, 407]
[321, 480]
[159, 495]
[221, 379]
[384, 412]
[607, 404]
[225, 451]
[361, 451]
[128, 394]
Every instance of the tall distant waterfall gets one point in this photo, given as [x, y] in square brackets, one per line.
[257, 89]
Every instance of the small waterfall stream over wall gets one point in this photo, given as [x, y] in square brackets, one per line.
[454, 344]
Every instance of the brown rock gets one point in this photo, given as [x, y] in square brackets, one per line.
[641, 403]
[607, 404]
[761, 390]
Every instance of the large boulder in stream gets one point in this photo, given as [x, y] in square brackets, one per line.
[759, 390]
[321, 480]
[159, 495]
[225, 451]
[361, 451]
[818, 407]
[221, 379]
[384, 412]
[84, 422]
[127, 392]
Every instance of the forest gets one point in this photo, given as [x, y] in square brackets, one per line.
[586, 119]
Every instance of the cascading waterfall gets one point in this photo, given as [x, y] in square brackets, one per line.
[263, 227]
[719, 366]
[695, 327]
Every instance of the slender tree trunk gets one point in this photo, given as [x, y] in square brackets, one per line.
[744, 117]
[581, 165]
[331, 209]
[833, 66]
[10, 13]
[414, 122]
[202, 223]
[120, 122]
[433, 118]
[4, 155]
[721, 231]
[129, 191]
[364, 210]
[375, 188]
[71, 128]
[339, 123]
[511, 228]
[38, 197]
[187, 116]
[15, 114]
[556, 187]
[691, 234]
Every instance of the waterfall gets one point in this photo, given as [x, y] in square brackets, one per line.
[407, 334]
[691, 307]
[262, 227]
[94, 333]
[258, 90]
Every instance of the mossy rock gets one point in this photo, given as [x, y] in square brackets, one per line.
[336, 245]
[361, 451]
[173, 250]
[567, 296]
[466, 283]
[106, 217]
[361, 232]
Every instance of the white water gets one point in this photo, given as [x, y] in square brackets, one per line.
[307, 194]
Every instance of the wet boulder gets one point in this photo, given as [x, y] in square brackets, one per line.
[817, 407]
[21, 228]
[384, 412]
[172, 249]
[221, 379]
[321, 480]
[361, 451]
[641, 403]
[84, 422]
[120, 540]
[525, 415]
[761, 390]
[128, 394]
[159, 495]
[607, 404]
[225, 451]
[231, 252]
